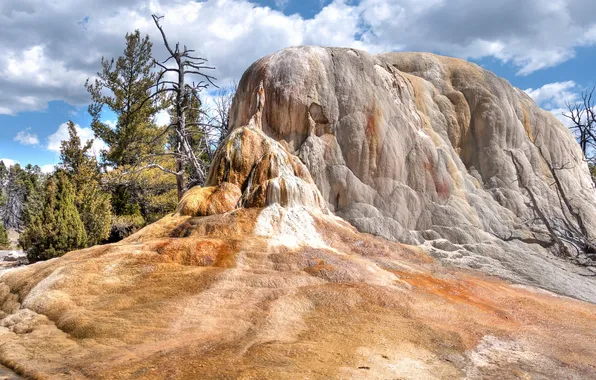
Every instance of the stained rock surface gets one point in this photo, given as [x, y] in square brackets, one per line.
[253, 278]
[276, 292]
[430, 151]
[252, 170]
[280, 292]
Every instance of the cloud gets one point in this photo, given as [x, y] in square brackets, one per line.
[48, 169]
[110, 123]
[85, 134]
[554, 98]
[8, 162]
[26, 138]
[281, 4]
[555, 95]
[162, 118]
[531, 35]
[65, 40]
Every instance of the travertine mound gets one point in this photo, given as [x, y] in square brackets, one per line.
[269, 293]
[251, 169]
[260, 171]
[278, 292]
[432, 151]
[203, 201]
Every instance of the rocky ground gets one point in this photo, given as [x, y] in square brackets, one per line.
[432, 151]
[12, 259]
[253, 278]
[281, 292]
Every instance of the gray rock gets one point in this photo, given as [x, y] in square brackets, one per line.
[415, 146]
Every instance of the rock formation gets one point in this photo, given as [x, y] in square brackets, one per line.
[253, 277]
[433, 151]
[235, 285]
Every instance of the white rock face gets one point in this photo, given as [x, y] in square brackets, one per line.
[423, 149]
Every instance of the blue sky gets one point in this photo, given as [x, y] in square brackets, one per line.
[49, 49]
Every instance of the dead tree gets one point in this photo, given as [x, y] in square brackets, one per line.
[583, 118]
[221, 111]
[216, 118]
[185, 100]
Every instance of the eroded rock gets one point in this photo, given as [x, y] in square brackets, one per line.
[416, 147]
[203, 201]
[256, 171]
[228, 288]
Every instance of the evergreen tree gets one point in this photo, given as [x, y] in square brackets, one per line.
[58, 228]
[4, 243]
[92, 203]
[20, 194]
[32, 181]
[3, 175]
[3, 186]
[13, 199]
[124, 87]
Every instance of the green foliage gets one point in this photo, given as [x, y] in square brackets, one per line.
[58, 228]
[4, 243]
[128, 82]
[32, 180]
[125, 86]
[125, 225]
[148, 194]
[92, 202]
[19, 194]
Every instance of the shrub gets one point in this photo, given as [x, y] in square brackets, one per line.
[58, 228]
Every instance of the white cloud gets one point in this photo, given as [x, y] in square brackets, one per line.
[47, 169]
[8, 162]
[554, 95]
[110, 123]
[531, 35]
[281, 4]
[65, 40]
[162, 118]
[26, 138]
[85, 134]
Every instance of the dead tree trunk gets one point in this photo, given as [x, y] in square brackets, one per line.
[583, 122]
[185, 64]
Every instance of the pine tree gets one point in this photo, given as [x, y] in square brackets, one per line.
[93, 204]
[3, 175]
[32, 181]
[124, 87]
[14, 198]
[128, 82]
[3, 186]
[20, 188]
[58, 228]
[4, 243]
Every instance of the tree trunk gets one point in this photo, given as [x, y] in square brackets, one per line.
[180, 177]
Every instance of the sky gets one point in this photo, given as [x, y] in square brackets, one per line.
[49, 48]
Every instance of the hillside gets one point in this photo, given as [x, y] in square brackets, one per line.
[256, 276]
[434, 151]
